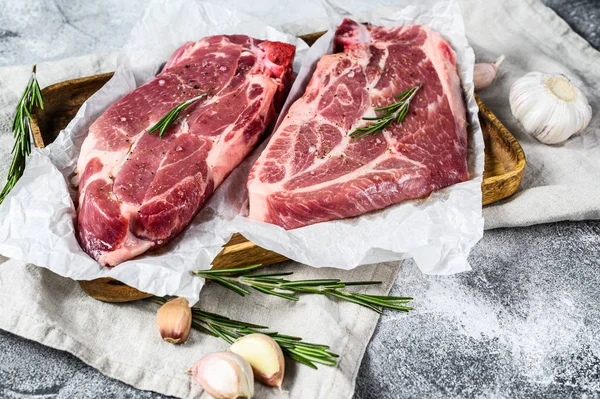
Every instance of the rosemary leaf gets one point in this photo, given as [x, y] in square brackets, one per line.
[21, 128]
[171, 116]
[220, 334]
[239, 290]
[349, 283]
[227, 271]
[301, 359]
[234, 279]
[272, 274]
[381, 302]
[294, 339]
[394, 113]
[309, 283]
[230, 330]
[343, 296]
[202, 329]
[313, 358]
[403, 299]
[291, 297]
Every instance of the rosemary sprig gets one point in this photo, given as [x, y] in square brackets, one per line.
[395, 112]
[21, 128]
[230, 330]
[171, 116]
[273, 284]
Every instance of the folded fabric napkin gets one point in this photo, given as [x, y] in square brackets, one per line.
[122, 340]
[561, 182]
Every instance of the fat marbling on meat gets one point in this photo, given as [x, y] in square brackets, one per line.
[312, 171]
[136, 190]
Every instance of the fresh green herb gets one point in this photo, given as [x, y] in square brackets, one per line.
[393, 113]
[167, 120]
[230, 330]
[21, 128]
[273, 284]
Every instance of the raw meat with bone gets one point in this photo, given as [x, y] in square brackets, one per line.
[312, 171]
[138, 191]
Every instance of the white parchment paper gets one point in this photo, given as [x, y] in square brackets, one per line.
[36, 220]
[437, 232]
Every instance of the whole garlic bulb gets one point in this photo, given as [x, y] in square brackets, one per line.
[549, 106]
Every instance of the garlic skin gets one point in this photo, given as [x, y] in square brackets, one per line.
[485, 73]
[549, 106]
[265, 357]
[174, 320]
[224, 375]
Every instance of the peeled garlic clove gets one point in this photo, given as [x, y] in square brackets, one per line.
[224, 375]
[549, 106]
[265, 357]
[174, 320]
[484, 73]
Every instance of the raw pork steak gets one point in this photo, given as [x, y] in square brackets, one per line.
[138, 191]
[311, 171]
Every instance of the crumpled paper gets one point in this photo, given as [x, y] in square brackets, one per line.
[37, 218]
[438, 232]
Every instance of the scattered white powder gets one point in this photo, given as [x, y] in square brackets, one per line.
[524, 320]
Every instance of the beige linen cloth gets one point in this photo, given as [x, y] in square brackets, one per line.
[561, 182]
[122, 341]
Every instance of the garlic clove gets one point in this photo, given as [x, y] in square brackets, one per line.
[485, 73]
[549, 106]
[224, 375]
[174, 320]
[264, 355]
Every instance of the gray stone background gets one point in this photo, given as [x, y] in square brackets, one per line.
[524, 323]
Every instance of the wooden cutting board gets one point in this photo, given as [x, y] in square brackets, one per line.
[504, 166]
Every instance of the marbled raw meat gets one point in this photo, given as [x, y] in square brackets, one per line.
[137, 191]
[312, 171]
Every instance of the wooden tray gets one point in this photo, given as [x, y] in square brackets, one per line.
[504, 165]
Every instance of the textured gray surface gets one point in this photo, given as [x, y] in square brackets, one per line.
[41, 30]
[582, 15]
[31, 370]
[524, 323]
